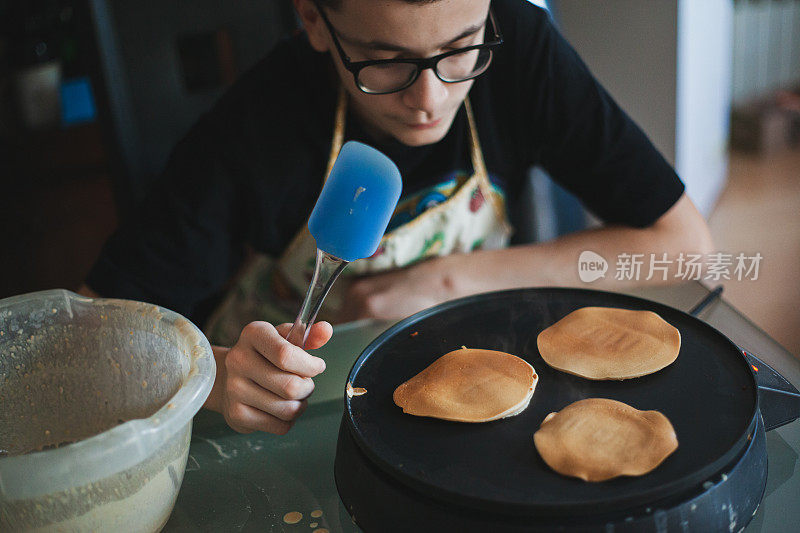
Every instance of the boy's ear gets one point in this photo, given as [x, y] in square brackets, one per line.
[313, 24]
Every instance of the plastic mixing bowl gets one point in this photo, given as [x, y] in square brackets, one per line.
[96, 404]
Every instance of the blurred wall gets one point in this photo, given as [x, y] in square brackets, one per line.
[664, 61]
[766, 49]
[630, 46]
[705, 41]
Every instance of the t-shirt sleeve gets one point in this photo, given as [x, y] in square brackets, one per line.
[184, 240]
[584, 140]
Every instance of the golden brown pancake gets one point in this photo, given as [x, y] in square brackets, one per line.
[598, 439]
[469, 385]
[609, 343]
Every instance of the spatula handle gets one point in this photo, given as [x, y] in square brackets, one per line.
[326, 270]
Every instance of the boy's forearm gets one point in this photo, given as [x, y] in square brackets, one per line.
[555, 263]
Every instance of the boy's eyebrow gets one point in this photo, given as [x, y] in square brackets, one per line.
[381, 45]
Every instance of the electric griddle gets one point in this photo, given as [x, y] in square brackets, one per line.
[397, 472]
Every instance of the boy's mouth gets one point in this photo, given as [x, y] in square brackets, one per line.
[424, 125]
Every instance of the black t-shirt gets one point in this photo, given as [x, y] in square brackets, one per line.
[250, 170]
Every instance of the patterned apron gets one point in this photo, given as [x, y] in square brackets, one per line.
[461, 214]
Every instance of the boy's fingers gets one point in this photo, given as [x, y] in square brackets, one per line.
[271, 403]
[249, 418]
[319, 335]
[284, 384]
[264, 339]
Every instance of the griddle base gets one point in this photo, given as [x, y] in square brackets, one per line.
[379, 503]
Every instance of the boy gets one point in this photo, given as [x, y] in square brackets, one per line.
[464, 96]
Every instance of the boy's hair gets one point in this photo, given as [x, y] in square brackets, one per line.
[334, 4]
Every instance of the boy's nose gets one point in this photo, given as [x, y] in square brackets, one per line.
[427, 94]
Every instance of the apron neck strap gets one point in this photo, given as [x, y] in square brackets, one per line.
[338, 130]
[478, 166]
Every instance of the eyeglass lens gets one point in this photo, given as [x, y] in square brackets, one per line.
[390, 77]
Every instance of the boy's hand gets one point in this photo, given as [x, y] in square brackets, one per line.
[403, 292]
[263, 381]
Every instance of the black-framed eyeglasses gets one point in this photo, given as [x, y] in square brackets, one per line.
[385, 76]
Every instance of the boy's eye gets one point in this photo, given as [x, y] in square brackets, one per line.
[373, 55]
[367, 54]
[463, 43]
[381, 57]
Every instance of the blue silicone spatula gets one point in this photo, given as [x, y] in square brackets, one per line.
[348, 222]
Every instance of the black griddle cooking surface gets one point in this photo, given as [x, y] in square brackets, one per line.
[709, 395]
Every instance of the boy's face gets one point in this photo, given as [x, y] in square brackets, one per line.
[370, 29]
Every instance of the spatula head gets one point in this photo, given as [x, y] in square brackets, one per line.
[356, 203]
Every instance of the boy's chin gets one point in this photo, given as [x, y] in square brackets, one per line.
[411, 137]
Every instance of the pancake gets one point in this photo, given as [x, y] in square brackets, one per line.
[469, 385]
[598, 439]
[608, 343]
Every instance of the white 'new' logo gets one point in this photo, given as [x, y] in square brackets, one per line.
[591, 266]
